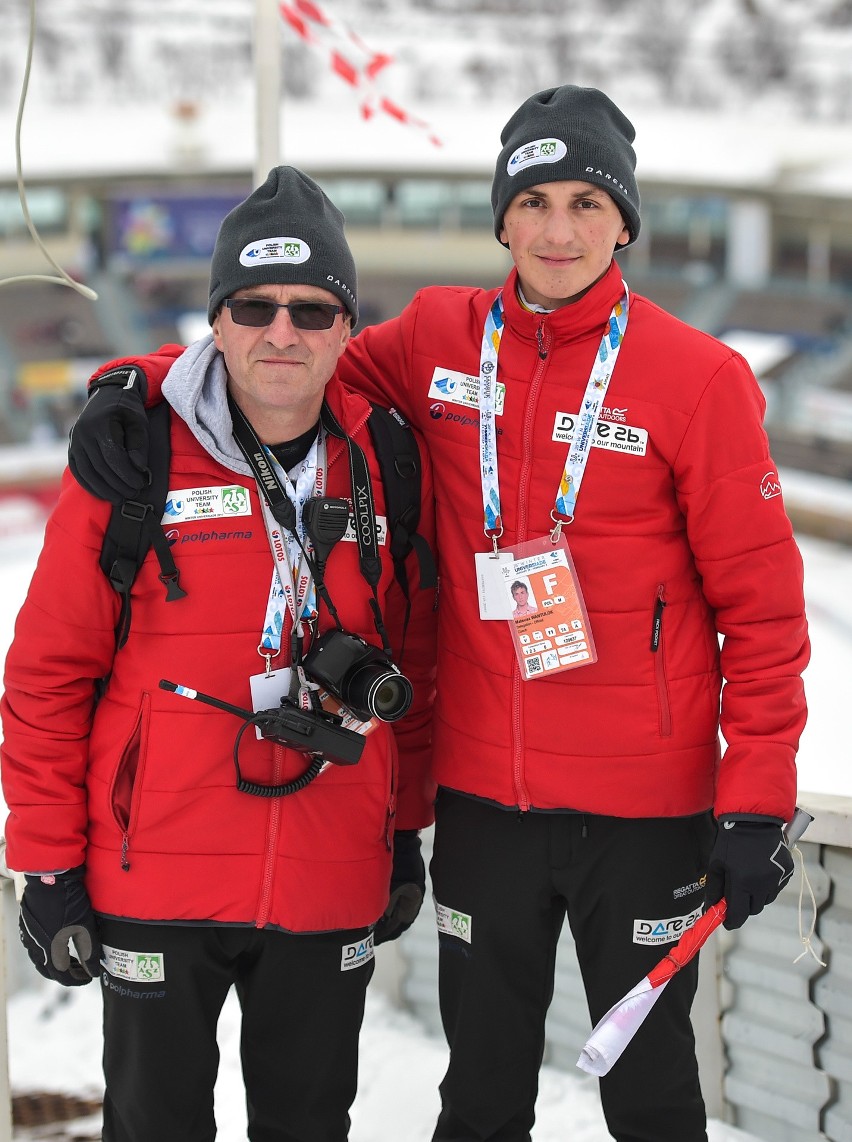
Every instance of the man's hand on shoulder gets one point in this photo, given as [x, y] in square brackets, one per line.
[108, 446]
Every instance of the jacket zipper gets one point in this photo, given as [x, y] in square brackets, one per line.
[658, 650]
[132, 746]
[274, 820]
[272, 831]
[543, 339]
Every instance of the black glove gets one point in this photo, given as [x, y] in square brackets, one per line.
[407, 887]
[749, 865]
[54, 910]
[108, 446]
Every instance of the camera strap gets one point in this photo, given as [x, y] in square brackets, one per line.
[364, 515]
[283, 509]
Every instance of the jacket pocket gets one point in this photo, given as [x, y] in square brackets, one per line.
[127, 783]
[658, 649]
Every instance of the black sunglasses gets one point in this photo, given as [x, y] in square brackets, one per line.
[257, 312]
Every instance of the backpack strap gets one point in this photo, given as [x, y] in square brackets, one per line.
[135, 526]
[399, 460]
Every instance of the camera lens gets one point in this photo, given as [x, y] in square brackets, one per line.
[381, 692]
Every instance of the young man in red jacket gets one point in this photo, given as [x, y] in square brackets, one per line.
[594, 446]
[180, 849]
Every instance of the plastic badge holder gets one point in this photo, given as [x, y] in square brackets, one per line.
[556, 634]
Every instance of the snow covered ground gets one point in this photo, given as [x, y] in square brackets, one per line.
[54, 1034]
[55, 1044]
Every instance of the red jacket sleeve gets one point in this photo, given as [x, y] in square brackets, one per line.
[413, 733]
[376, 362]
[64, 642]
[752, 576]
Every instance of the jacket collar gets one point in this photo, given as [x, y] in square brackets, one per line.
[571, 322]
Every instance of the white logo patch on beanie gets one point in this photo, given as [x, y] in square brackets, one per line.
[531, 154]
[292, 250]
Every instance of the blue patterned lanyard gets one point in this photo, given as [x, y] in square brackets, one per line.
[584, 434]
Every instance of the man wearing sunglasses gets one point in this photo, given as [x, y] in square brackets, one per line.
[169, 850]
[618, 456]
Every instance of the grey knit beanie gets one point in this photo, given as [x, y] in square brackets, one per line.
[564, 134]
[286, 232]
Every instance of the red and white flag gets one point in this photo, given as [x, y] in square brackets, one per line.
[607, 1042]
[349, 58]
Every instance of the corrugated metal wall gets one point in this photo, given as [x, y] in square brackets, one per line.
[775, 1036]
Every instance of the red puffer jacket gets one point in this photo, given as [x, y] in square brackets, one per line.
[141, 787]
[679, 515]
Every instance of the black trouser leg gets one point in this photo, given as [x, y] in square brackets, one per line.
[514, 879]
[160, 1052]
[644, 870]
[494, 990]
[302, 1017]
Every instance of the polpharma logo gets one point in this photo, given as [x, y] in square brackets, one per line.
[265, 250]
[532, 154]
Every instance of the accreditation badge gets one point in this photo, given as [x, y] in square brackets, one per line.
[490, 588]
[548, 620]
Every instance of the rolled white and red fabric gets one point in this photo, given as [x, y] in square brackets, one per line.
[608, 1040]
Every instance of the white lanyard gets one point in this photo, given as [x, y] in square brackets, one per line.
[292, 585]
[584, 434]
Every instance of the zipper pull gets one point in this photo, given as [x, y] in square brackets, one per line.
[125, 845]
[656, 628]
[539, 336]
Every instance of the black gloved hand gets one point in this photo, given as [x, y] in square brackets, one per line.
[749, 865]
[407, 887]
[54, 910]
[108, 446]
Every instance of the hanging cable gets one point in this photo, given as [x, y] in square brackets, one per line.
[64, 279]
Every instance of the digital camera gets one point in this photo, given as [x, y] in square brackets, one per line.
[361, 676]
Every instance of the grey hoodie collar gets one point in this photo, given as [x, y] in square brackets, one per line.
[196, 388]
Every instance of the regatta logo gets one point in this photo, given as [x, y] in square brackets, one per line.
[664, 931]
[266, 474]
[265, 250]
[363, 515]
[619, 415]
[532, 154]
[770, 486]
[689, 889]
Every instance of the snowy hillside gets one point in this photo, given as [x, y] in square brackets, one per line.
[768, 56]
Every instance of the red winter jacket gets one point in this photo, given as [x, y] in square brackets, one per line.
[689, 525]
[141, 786]
[679, 520]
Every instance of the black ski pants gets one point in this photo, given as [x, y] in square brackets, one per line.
[505, 882]
[301, 1017]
